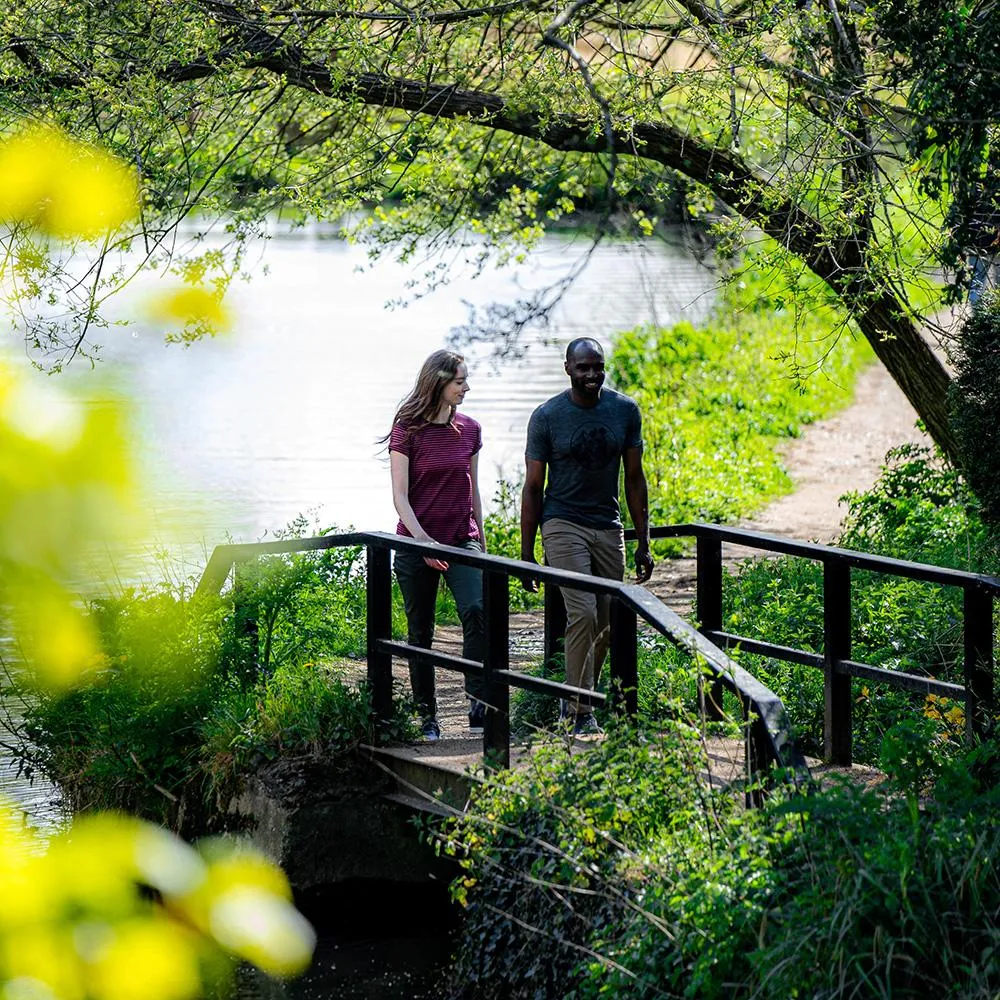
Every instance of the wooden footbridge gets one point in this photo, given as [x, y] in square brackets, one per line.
[768, 740]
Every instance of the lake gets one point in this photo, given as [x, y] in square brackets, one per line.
[240, 434]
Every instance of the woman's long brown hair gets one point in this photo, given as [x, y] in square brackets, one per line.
[424, 400]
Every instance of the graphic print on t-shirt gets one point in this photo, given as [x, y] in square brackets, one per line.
[594, 445]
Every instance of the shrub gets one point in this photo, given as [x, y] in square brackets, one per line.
[619, 871]
[129, 740]
[187, 698]
[552, 855]
[976, 404]
[920, 510]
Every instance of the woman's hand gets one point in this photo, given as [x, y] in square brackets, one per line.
[438, 564]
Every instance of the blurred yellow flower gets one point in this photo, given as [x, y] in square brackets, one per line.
[60, 641]
[263, 929]
[74, 923]
[65, 482]
[147, 959]
[245, 904]
[192, 307]
[62, 186]
[40, 961]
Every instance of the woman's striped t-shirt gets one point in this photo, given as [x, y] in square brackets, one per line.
[440, 484]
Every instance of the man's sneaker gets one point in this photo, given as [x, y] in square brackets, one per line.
[586, 728]
[477, 718]
[430, 731]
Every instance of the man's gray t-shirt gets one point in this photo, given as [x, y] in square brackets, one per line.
[583, 448]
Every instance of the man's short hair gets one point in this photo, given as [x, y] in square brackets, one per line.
[575, 345]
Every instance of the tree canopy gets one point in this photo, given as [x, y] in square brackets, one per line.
[809, 126]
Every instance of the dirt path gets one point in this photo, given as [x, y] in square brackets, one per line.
[839, 455]
[832, 457]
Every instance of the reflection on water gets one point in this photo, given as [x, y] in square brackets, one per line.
[36, 798]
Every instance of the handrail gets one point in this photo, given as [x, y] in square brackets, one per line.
[820, 553]
[769, 738]
[979, 593]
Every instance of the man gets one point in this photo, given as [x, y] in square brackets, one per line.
[582, 437]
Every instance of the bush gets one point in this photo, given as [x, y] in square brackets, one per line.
[920, 510]
[552, 853]
[130, 739]
[619, 871]
[305, 605]
[976, 404]
[188, 698]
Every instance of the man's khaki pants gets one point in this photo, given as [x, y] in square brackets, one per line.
[599, 552]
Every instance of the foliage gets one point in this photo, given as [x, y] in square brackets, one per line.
[651, 883]
[300, 605]
[129, 739]
[110, 908]
[920, 510]
[789, 122]
[302, 708]
[899, 898]
[717, 401]
[550, 853]
[950, 56]
[976, 404]
[185, 701]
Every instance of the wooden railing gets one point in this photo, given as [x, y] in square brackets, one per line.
[767, 731]
[835, 661]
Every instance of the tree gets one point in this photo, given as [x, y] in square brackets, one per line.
[497, 119]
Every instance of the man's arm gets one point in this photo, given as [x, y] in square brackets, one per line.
[637, 499]
[531, 513]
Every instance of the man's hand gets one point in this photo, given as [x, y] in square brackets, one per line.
[643, 565]
[529, 583]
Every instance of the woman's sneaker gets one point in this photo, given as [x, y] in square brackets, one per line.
[430, 731]
[477, 718]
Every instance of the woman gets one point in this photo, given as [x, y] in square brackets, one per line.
[434, 458]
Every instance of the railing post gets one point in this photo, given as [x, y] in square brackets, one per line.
[555, 628]
[837, 704]
[756, 761]
[496, 605]
[624, 685]
[978, 615]
[379, 626]
[708, 606]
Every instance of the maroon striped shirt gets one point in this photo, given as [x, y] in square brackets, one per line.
[440, 486]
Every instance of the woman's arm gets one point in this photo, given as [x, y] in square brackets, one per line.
[477, 502]
[399, 465]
